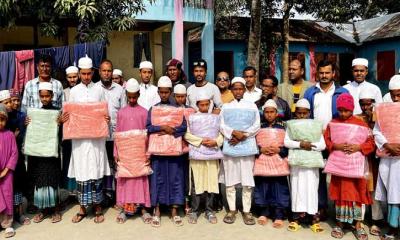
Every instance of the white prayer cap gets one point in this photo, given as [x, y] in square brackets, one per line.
[238, 79]
[71, 69]
[45, 86]
[360, 61]
[366, 93]
[303, 103]
[117, 72]
[394, 83]
[132, 86]
[202, 96]
[3, 110]
[85, 63]
[146, 64]
[180, 89]
[270, 104]
[164, 81]
[4, 94]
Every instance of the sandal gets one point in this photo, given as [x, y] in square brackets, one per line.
[361, 234]
[98, 217]
[56, 217]
[24, 220]
[375, 230]
[39, 217]
[293, 227]
[262, 220]
[146, 217]
[387, 237]
[211, 218]
[316, 228]
[121, 218]
[278, 223]
[248, 219]
[337, 232]
[79, 217]
[177, 220]
[156, 221]
[230, 217]
[9, 232]
[192, 217]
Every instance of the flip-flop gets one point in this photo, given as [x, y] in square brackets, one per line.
[337, 232]
[99, 217]
[211, 218]
[79, 217]
[177, 220]
[24, 220]
[147, 218]
[293, 227]
[121, 218]
[56, 217]
[387, 237]
[316, 228]
[375, 230]
[277, 223]
[9, 232]
[192, 218]
[38, 218]
[262, 220]
[230, 217]
[156, 221]
[360, 234]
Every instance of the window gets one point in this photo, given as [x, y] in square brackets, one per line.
[385, 65]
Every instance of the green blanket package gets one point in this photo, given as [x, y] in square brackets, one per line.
[41, 139]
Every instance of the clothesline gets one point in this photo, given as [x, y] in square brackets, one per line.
[18, 67]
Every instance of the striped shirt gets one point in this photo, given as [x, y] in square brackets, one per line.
[31, 99]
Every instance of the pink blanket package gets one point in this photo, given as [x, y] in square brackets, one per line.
[165, 145]
[86, 120]
[347, 165]
[270, 166]
[388, 121]
[131, 150]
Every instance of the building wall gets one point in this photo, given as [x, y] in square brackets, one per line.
[239, 50]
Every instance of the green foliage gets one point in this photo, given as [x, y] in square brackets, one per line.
[93, 18]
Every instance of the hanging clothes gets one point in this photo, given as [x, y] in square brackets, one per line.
[94, 50]
[141, 42]
[24, 68]
[7, 70]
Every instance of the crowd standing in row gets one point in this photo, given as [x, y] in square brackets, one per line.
[253, 126]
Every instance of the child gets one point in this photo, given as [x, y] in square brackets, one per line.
[132, 191]
[304, 180]
[16, 124]
[167, 183]
[271, 194]
[205, 139]
[388, 188]
[5, 99]
[349, 194]
[45, 172]
[8, 161]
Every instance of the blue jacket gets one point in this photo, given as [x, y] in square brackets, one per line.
[310, 94]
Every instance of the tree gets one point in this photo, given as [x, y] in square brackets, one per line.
[253, 51]
[94, 19]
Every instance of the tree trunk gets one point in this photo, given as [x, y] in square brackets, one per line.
[285, 41]
[253, 50]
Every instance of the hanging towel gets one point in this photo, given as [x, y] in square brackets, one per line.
[24, 68]
[7, 70]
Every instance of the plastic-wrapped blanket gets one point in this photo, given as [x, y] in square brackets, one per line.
[241, 120]
[86, 121]
[131, 149]
[187, 112]
[270, 166]
[204, 125]
[305, 130]
[340, 163]
[165, 145]
[387, 122]
[41, 138]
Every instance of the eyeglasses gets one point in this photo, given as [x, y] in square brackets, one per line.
[223, 79]
[199, 64]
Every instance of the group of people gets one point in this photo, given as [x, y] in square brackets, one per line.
[223, 133]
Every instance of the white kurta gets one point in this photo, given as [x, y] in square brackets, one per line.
[238, 170]
[148, 96]
[388, 184]
[89, 157]
[304, 181]
[253, 95]
[355, 90]
[210, 90]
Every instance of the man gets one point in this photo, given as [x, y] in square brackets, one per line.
[253, 93]
[388, 185]
[148, 92]
[203, 87]
[322, 98]
[223, 83]
[294, 90]
[238, 170]
[269, 86]
[117, 77]
[115, 97]
[360, 72]
[89, 162]
[72, 80]
[175, 73]
[30, 98]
